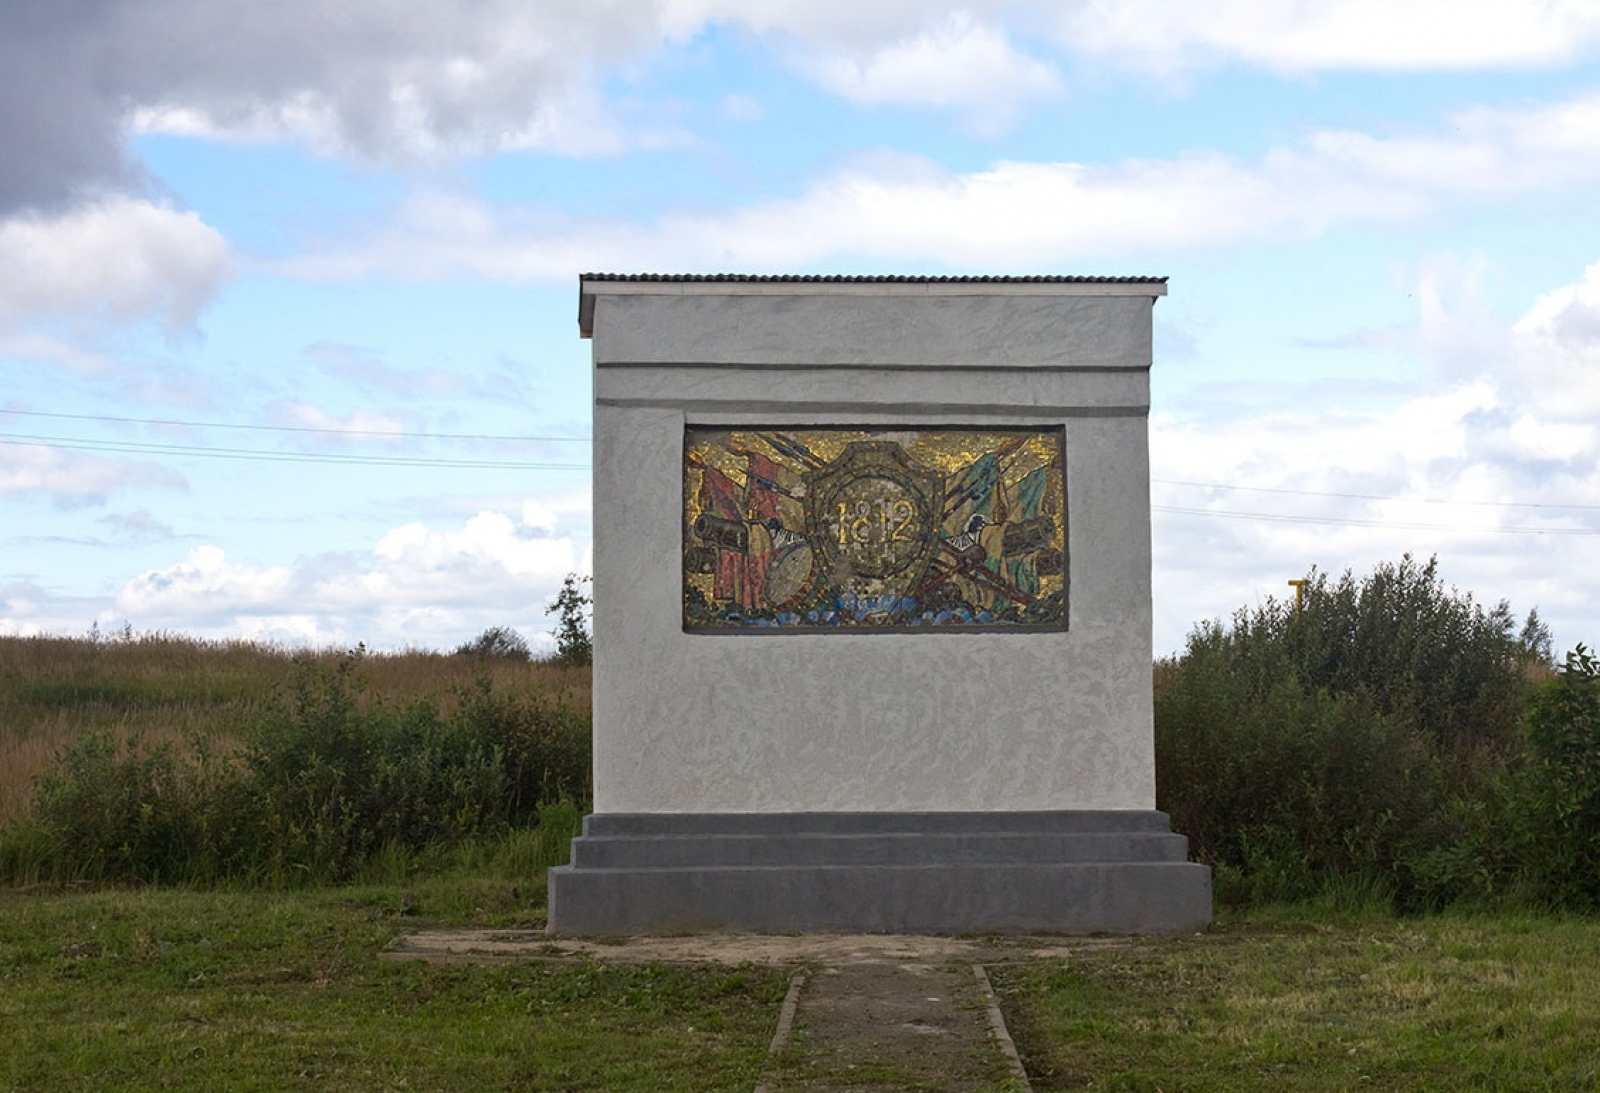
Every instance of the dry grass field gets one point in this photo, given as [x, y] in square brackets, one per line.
[166, 687]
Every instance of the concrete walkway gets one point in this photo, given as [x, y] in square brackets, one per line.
[864, 1013]
[890, 1027]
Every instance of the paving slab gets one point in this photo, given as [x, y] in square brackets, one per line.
[889, 1027]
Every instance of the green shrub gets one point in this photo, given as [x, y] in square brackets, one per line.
[135, 811]
[1288, 787]
[331, 779]
[28, 853]
[549, 843]
[1362, 739]
[339, 779]
[1558, 806]
[1421, 652]
[545, 745]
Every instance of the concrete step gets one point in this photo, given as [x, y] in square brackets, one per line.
[887, 848]
[1112, 897]
[1064, 872]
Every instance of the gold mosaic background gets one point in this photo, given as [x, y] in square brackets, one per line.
[874, 528]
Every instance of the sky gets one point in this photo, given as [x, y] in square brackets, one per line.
[289, 291]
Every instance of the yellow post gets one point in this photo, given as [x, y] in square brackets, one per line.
[1299, 593]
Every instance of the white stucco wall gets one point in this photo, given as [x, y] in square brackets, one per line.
[890, 721]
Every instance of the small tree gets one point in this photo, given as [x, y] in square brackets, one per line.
[497, 641]
[573, 643]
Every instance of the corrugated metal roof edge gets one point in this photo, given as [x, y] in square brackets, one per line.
[872, 279]
[593, 284]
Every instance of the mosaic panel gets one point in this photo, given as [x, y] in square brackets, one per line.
[808, 529]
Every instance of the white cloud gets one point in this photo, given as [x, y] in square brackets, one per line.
[1371, 35]
[822, 23]
[138, 527]
[954, 63]
[1511, 508]
[358, 425]
[38, 346]
[1458, 332]
[1285, 35]
[570, 119]
[737, 107]
[1460, 335]
[116, 259]
[418, 586]
[415, 556]
[399, 80]
[1551, 441]
[1498, 474]
[72, 477]
[1014, 216]
[1557, 349]
[1162, 37]
[204, 580]
[384, 80]
[366, 370]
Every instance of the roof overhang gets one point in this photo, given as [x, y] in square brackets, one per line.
[593, 285]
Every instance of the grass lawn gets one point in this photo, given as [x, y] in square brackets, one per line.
[171, 989]
[1297, 1001]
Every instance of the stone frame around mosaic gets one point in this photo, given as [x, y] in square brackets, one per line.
[874, 528]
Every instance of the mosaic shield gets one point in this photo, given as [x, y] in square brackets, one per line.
[937, 528]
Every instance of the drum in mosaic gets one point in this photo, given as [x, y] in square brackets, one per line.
[888, 528]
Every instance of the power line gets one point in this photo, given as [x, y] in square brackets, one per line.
[292, 428]
[1339, 522]
[259, 455]
[1374, 497]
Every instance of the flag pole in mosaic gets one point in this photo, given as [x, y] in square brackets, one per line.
[872, 609]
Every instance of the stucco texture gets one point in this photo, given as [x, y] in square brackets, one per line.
[907, 722]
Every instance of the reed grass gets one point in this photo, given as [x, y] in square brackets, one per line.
[169, 688]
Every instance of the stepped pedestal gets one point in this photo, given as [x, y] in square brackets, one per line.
[949, 872]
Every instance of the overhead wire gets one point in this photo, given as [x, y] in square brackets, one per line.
[1372, 496]
[392, 433]
[1345, 522]
[1391, 524]
[132, 447]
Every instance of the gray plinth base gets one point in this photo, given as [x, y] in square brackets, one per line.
[924, 872]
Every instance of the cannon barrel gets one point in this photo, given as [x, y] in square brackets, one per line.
[721, 532]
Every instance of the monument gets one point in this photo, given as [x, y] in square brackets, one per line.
[872, 644]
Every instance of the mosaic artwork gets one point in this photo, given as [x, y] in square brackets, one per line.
[810, 529]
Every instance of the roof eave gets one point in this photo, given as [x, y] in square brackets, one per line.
[591, 285]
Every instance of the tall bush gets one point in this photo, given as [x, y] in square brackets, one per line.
[1357, 736]
[1281, 786]
[338, 780]
[329, 779]
[134, 810]
[545, 745]
[1558, 806]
